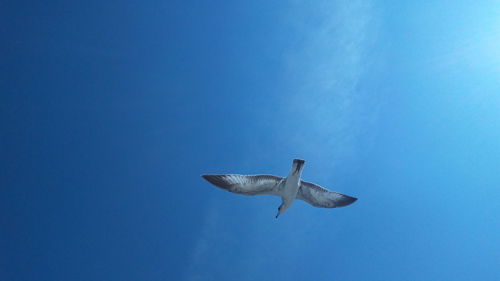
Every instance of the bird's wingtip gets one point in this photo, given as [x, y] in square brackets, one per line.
[347, 200]
[209, 178]
[351, 200]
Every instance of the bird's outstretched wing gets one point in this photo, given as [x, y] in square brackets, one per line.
[247, 185]
[322, 197]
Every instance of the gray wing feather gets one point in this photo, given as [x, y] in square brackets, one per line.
[246, 184]
[321, 197]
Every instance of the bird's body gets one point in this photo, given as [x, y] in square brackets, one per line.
[289, 188]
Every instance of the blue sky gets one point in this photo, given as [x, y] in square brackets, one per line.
[111, 110]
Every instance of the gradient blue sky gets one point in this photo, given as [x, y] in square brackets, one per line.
[111, 110]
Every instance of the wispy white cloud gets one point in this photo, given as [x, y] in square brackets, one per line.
[324, 70]
[314, 121]
[250, 246]
[203, 246]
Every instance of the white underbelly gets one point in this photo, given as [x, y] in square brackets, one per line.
[290, 192]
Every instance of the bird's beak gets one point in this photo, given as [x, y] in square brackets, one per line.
[277, 214]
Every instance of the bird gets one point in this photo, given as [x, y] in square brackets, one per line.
[290, 188]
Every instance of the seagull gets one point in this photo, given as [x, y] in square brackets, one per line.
[289, 188]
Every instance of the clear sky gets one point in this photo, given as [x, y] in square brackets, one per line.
[111, 110]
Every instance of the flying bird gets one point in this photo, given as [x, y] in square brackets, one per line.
[290, 188]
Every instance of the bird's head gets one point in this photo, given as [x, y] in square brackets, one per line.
[281, 209]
